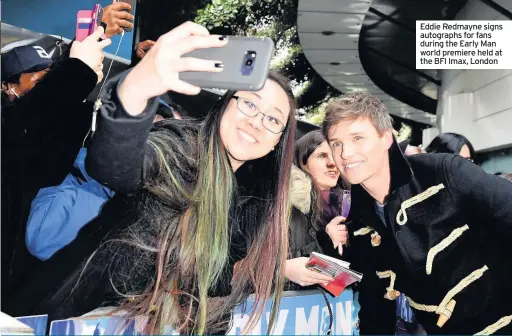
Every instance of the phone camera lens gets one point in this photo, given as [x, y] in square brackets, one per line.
[248, 62]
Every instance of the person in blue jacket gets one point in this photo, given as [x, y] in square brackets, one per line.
[59, 212]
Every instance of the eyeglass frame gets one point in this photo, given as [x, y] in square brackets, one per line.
[238, 98]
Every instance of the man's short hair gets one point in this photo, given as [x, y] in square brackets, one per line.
[356, 105]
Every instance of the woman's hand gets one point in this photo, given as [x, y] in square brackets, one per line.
[337, 232]
[90, 51]
[158, 72]
[296, 271]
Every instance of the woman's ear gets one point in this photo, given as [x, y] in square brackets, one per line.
[305, 168]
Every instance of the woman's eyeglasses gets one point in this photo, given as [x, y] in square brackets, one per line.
[272, 124]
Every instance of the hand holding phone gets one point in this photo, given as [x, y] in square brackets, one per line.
[159, 71]
[338, 233]
[118, 17]
[90, 51]
[131, 3]
[246, 64]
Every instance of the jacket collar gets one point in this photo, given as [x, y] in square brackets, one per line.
[401, 174]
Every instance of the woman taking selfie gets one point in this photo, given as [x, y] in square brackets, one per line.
[202, 197]
[320, 204]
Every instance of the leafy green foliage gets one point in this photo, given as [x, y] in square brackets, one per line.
[275, 19]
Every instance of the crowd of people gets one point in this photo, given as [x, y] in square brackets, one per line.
[181, 220]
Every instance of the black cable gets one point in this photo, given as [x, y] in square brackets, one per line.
[330, 311]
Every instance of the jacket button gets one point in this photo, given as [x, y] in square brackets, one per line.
[392, 294]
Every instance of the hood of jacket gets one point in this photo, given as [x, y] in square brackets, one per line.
[301, 190]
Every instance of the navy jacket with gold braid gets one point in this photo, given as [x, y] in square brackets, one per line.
[446, 246]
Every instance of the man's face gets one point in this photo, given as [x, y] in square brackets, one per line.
[359, 151]
[27, 82]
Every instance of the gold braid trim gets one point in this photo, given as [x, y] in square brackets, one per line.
[502, 322]
[401, 216]
[446, 306]
[363, 231]
[391, 293]
[442, 245]
[475, 275]
[423, 307]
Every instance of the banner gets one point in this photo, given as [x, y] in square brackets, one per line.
[38, 323]
[304, 313]
[300, 313]
[113, 325]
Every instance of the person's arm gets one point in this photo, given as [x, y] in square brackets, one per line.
[67, 84]
[118, 148]
[484, 196]
[116, 18]
[49, 106]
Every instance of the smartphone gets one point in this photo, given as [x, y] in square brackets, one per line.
[86, 22]
[246, 64]
[131, 3]
[345, 203]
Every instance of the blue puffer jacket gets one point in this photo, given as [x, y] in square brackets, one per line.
[58, 213]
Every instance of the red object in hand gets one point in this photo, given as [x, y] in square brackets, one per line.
[338, 269]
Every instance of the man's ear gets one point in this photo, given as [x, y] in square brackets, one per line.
[388, 138]
[5, 88]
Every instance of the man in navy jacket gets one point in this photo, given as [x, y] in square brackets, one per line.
[433, 229]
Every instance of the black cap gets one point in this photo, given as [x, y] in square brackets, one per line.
[24, 59]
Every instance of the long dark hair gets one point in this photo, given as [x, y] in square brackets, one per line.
[190, 208]
[450, 143]
[304, 147]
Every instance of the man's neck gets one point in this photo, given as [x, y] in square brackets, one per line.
[379, 184]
